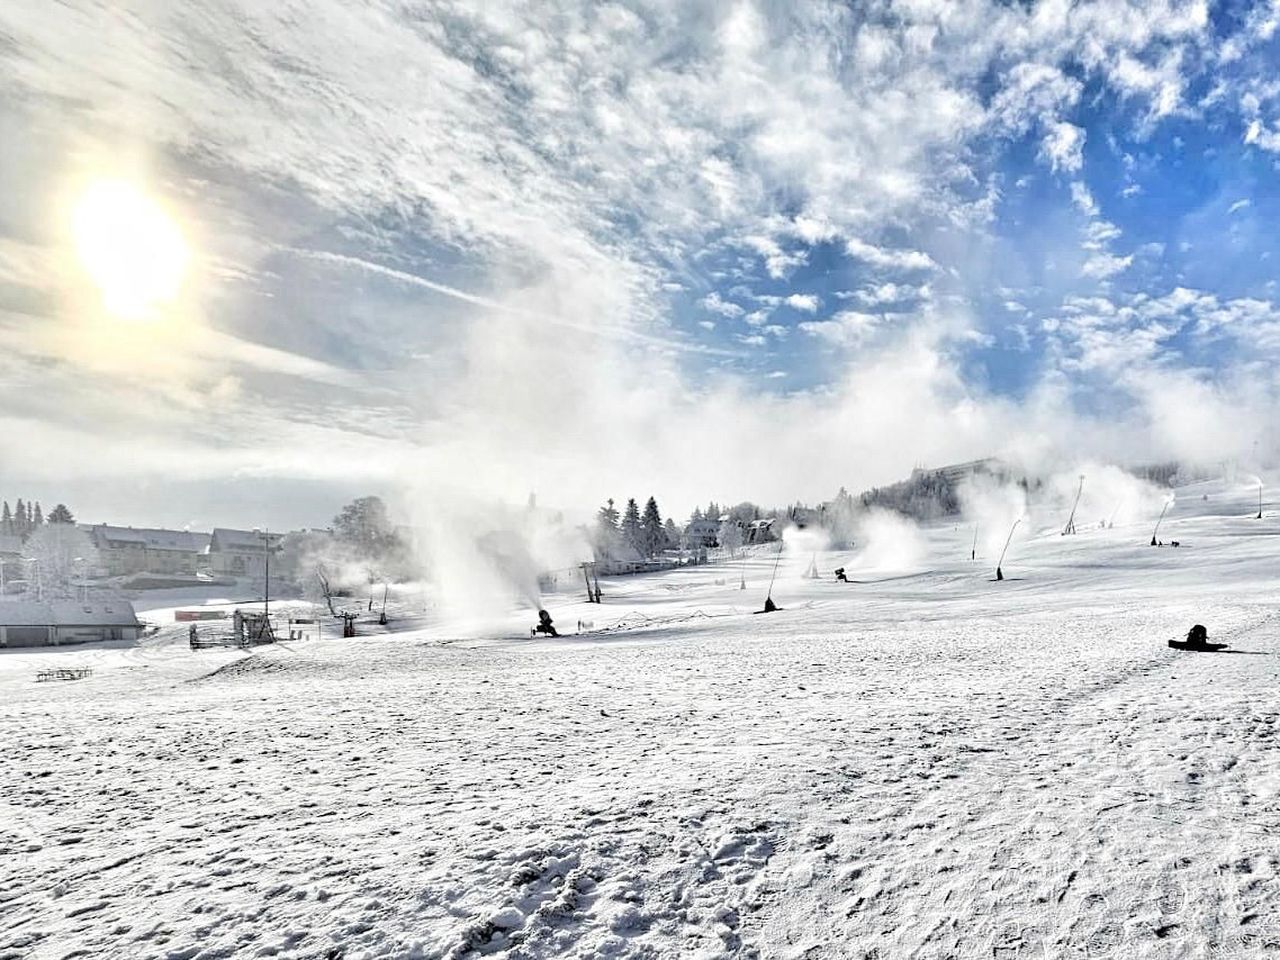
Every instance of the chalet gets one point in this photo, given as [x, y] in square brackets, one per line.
[123, 551]
[702, 533]
[30, 623]
[241, 553]
[10, 568]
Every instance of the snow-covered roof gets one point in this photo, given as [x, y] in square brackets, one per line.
[67, 613]
[183, 541]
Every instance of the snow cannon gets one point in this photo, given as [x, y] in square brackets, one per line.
[545, 625]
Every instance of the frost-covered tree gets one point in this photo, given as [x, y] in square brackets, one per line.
[6, 519]
[37, 520]
[631, 533]
[696, 515]
[60, 514]
[652, 539]
[365, 526]
[20, 518]
[730, 536]
[64, 556]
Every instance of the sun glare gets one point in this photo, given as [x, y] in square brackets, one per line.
[130, 247]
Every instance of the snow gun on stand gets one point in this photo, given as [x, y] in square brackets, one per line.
[544, 625]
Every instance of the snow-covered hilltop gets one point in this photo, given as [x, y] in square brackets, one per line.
[922, 762]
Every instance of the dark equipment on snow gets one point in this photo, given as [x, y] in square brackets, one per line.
[1008, 540]
[840, 575]
[545, 625]
[1154, 541]
[1197, 639]
[769, 605]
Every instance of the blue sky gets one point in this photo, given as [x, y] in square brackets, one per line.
[721, 250]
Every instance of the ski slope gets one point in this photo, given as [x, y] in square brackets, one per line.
[922, 764]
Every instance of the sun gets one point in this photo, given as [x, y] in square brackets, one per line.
[130, 247]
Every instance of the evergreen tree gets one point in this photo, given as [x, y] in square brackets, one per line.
[695, 516]
[631, 532]
[6, 519]
[60, 514]
[38, 519]
[672, 532]
[20, 519]
[651, 535]
[606, 533]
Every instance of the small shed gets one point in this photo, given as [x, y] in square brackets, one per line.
[33, 623]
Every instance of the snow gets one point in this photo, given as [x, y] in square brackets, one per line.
[923, 764]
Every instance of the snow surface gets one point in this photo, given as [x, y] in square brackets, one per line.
[927, 764]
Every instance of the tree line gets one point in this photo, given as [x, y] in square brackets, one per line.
[27, 517]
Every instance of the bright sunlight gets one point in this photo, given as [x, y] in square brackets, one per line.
[131, 248]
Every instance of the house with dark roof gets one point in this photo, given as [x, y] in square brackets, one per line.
[33, 623]
[129, 550]
[241, 553]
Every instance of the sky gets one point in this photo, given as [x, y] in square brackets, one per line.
[455, 252]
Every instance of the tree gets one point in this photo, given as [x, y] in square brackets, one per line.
[652, 538]
[695, 516]
[672, 532]
[631, 533]
[6, 519]
[730, 536]
[37, 520]
[365, 526]
[20, 519]
[60, 514]
[64, 556]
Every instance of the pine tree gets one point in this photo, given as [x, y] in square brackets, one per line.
[651, 535]
[6, 520]
[20, 519]
[607, 535]
[60, 514]
[38, 519]
[695, 516]
[631, 532]
[672, 532]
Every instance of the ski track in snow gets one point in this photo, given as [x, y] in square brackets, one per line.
[931, 766]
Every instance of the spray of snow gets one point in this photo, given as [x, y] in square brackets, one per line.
[993, 505]
[888, 543]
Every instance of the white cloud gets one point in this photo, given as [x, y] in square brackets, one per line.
[1063, 147]
[889, 259]
[717, 304]
[803, 302]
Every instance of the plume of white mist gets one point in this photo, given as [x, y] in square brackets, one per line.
[484, 559]
[888, 542]
[994, 506]
[800, 545]
[1110, 495]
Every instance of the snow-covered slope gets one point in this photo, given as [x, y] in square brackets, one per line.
[926, 763]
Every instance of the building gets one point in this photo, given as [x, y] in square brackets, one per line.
[30, 623]
[702, 533]
[11, 568]
[241, 553]
[123, 551]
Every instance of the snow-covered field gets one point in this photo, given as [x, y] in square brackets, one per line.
[925, 764]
